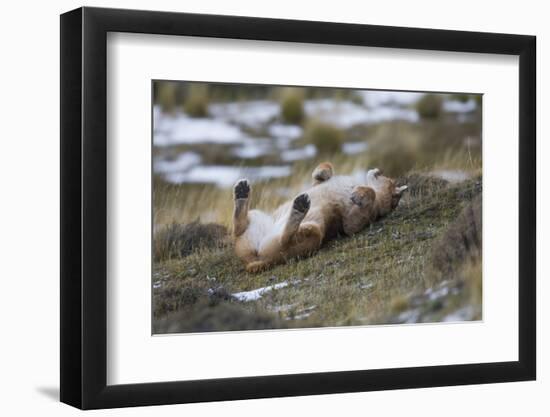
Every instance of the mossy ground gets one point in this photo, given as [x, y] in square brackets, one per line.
[385, 274]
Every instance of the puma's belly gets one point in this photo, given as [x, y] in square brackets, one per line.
[336, 191]
[329, 202]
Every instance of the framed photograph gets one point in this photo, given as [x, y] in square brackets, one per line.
[257, 208]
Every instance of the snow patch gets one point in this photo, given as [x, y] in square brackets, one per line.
[254, 295]
[351, 148]
[384, 98]
[455, 106]
[308, 151]
[248, 113]
[183, 162]
[226, 176]
[346, 114]
[180, 129]
[451, 175]
[285, 131]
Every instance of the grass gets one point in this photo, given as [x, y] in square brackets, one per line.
[385, 274]
[400, 147]
[179, 240]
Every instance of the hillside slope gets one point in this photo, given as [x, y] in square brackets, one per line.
[422, 263]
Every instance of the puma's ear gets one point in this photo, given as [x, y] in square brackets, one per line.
[399, 190]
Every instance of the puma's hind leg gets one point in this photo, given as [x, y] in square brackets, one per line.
[300, 207]
[297, 239]
[241, 194]
[322, 173]
[307, 240]
[362, 210]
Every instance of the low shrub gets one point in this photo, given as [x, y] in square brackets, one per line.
[462, 241]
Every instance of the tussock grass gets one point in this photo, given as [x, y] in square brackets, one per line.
[179, 240]
[430, 106]
[196, 100]
[167, 96]
[400, 147]
[292, 105]
[461, 242]
[327, 138]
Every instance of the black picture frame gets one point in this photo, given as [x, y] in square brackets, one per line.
[84, 207]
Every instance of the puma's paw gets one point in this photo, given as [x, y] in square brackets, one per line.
[301, 203]
[363, 196]
[242, 189]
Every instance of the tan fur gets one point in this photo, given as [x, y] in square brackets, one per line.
[333, 205]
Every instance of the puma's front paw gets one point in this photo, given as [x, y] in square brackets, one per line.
[301, 203]
[242, 189]
[363, 196]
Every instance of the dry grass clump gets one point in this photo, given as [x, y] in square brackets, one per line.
[167, 96]
[172, 296]
[429, 106]
[420, 184]
[394, 148]
[401, 147]
[292, 106]
[196, 100]
[327, 138]
[462, 241]
[179, 240]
